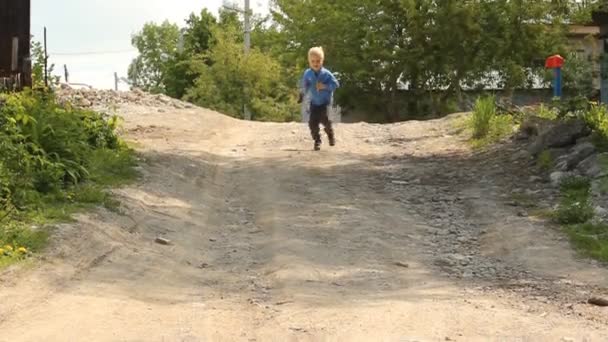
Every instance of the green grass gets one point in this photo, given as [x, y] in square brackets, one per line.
[500, 126]
[575, 214]
[112, 167]
[107, 168]
[547, 113]
[17, 235]
[590, 239]
[545, 160]
[485, 125]
[483, 113]
[597, 119]
[575, 205]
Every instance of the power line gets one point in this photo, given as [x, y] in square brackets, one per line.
[107, 52]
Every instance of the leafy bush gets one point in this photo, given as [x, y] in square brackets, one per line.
[571, 107]
[54, 160]
[597, 119]
[547, 112]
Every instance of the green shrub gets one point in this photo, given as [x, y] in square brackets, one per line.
[597, 119]
[547, 112]
[55, 159]
[483, 113]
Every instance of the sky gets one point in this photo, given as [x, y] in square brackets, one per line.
[93, 37]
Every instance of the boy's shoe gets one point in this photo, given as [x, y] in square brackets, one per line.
[317, 146]
[332, 141]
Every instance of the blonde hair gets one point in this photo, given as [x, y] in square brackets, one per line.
[316, 51]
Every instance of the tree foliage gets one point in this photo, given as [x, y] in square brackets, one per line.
[434, 49]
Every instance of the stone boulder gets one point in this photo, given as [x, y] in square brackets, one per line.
[576, 154]
[561, 134]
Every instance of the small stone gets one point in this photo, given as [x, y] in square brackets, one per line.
[162, 241]
[535, 179]
[598, 301]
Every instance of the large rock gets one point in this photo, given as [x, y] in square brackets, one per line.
[577, 154]
[557, 177]
[594, 166]
[561, 134]
[534, 126]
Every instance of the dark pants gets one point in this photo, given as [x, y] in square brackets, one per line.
[318, 115]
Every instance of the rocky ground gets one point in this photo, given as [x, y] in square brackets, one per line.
[401, 232]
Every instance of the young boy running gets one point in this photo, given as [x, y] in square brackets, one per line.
[321, 84]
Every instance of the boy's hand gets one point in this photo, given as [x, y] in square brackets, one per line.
[321, 86]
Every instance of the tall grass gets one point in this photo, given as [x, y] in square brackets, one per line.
[483, 113]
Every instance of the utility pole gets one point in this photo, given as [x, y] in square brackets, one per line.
[66, 73]
[247, 27]
[46, 61]
[247, 23]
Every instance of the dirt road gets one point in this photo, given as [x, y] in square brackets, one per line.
[396, 234]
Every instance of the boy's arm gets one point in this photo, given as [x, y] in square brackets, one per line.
[304, 85]
[332, 82]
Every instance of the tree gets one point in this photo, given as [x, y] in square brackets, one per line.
[156, 45]
[197, 39]
[198, 36]
[425, 45]
[37, 53]
[233, 79]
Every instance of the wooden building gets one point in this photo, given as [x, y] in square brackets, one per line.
[15, 61]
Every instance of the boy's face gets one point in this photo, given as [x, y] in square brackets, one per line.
[315, 62]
